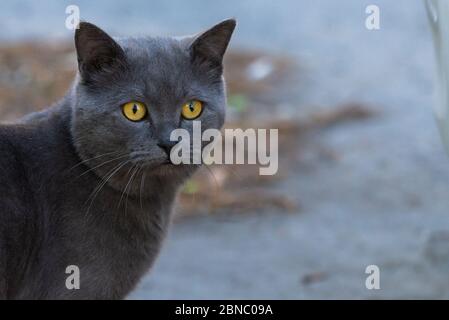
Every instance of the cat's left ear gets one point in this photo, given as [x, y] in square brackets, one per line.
[210, 46]
[97, 52]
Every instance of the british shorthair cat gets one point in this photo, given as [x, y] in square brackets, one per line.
[88, 182]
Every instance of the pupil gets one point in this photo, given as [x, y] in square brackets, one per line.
[191, 106]
[135, 109]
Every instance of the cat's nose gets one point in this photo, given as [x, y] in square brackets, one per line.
[167, 146]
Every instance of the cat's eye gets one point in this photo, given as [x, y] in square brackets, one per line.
[134, 111]
[192, 109]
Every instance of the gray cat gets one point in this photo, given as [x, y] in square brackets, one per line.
[88, 182]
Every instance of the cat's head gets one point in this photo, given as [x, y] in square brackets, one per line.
[131, 93]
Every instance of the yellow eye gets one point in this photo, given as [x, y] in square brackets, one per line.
[192, 109]
[134, 111]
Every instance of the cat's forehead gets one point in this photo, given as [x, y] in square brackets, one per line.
[161, 67]
[156, 52]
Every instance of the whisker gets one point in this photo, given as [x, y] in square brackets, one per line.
[142, 184]
[213, 176]
[130, 188]
[216, 188]
[232, 171]
[124, 190]
[90, 159]
[100, 165]
[103, 183]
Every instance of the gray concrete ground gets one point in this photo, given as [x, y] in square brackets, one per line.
[383, 200]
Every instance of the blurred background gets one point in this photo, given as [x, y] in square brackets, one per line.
[363, 176]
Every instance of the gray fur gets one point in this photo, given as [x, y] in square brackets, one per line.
[53, 161]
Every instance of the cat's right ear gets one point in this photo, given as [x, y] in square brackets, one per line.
[97, 52]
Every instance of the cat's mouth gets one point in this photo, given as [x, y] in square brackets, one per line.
[146, 161]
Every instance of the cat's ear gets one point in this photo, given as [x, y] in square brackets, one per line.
[210, 46]
[97, 52]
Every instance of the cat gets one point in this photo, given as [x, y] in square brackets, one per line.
[88, 182]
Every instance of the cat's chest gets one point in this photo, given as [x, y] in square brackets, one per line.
[108, 217]
[112, 237]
